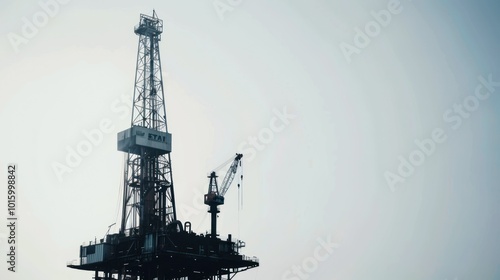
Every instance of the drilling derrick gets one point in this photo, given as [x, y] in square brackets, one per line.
[148, 199]
[151, 243]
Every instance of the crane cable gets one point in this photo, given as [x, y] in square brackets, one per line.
[240, 194]
[224, 164]
[120, 197]
[121, 189]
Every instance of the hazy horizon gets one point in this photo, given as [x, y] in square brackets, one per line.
[368, 126]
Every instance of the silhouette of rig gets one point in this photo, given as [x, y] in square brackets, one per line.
[151, 242]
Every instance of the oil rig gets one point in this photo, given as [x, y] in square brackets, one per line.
[151, 242]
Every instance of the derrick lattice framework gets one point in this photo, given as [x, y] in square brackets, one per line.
[151, 243]
[148, 201]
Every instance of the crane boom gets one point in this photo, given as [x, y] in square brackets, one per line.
[228, 179]
[151, 244]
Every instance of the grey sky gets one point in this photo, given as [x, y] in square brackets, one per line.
[322, 173]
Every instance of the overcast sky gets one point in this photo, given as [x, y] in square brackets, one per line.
[369, 130]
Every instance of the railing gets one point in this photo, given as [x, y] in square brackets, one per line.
[80, 261]
[252, 259]
[73, 262]
[152, 26]
[138, 26]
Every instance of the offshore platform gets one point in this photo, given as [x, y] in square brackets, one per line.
[151, 242]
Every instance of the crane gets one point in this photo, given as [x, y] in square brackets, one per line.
[214, 197]
[151, 243]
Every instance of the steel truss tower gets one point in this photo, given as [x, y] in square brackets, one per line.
[148, 200]
[152, 243]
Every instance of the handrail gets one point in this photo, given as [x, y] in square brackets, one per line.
[73, 262]
[252, 259]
